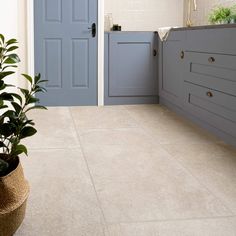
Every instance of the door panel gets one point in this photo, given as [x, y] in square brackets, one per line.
[53, 62]
[66, 52]
[173, 67]
[132, 65]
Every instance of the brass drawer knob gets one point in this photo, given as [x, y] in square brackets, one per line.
[211, 59]
[209, 94]
[182, 55]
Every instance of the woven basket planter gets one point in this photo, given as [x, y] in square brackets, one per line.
[14, 192]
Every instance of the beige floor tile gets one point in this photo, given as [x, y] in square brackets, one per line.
[102, 117]
[126, 137]
[204, 227]
[134, 229]
[123, 164]
[167, 127]
[176, 132]
[55, 129]
[62, 199]
[148, 113]
[135, 185]
[213, 164]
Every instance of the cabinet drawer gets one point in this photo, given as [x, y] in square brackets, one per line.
[214, 71]
[215, 108]
[212, 40]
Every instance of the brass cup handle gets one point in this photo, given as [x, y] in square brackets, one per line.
[209, 94]
[211, 59]
[182, 54]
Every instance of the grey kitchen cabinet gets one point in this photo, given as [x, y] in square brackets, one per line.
[131, 68]
[210, 87]
[171, 78]
[201, 86]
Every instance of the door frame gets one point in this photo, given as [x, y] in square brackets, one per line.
[31, 54]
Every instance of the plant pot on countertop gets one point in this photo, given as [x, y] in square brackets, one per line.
[14, 192]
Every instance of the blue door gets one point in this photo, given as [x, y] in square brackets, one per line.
[66, 51]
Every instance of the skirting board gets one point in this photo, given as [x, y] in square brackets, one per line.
[130, 100]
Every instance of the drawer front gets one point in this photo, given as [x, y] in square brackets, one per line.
[212, 70]
[215, 108]
[212, 40]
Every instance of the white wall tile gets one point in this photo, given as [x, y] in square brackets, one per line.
[145, 15]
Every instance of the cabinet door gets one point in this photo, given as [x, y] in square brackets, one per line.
[172, 70]
[133, 64]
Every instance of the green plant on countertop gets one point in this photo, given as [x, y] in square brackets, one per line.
[223, 15]
[233, 15]
[220, 15]
[14, 123]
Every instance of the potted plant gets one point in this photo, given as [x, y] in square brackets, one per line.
[220, 15]
[15, 103]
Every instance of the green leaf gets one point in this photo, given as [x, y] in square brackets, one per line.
[11, 66]
[17, 96]
[2, 49]
[9, 114]
[6, 129]
[12, 48]
[29, 122]
[42, 81]
[2, 85]
[12, 59]
[11, 41]
[6, 97]
[3, 107]
[5, 74]
[24, 91]
[36, 107]
[37, 78]
[28, 78]
[27, 132]
[32, 100]
[19, 149]
[17, 107]
[2, 38]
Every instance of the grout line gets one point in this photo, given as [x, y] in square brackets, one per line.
[187, 170]
[54, 148]
[139, 123]
[180, 163]
[173, 220]
[90, 174]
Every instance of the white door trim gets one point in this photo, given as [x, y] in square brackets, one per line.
[30, 45]
[30, 36]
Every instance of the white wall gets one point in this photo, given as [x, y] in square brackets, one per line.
[145, 15]
[8, 18]
[200, 17]
[8, 26]
[13, 25]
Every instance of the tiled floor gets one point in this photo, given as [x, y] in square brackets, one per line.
[127, 171]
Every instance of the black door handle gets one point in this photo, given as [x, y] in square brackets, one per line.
[93, 28]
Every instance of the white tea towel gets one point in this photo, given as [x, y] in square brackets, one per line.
[164, 32]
